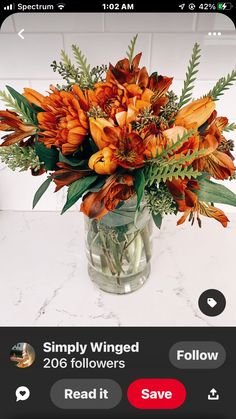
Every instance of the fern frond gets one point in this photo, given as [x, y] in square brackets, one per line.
[186, 93]
[66, 59]
[82, 62]
[131, 47]
[169, 151]
[163, 172]
[14, 106]
[223, 84]
[230, 127]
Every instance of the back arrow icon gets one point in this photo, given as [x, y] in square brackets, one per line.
[20, 34]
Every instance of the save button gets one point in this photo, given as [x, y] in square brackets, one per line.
[156, 393]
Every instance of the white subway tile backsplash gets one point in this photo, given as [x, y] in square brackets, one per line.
[149, 22]
[59, 22]
[29, 58]
[7, 25]
[18, 189]
[214, 22]
[43, 86]
[104, 48]
[171, 53]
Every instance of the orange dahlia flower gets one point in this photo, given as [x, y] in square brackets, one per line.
[64, 123]
[116, 189]
[10, 121]
[33, 96]
[109, 96]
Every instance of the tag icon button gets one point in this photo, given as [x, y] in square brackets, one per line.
[211, 302]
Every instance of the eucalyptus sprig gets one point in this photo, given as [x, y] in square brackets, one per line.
[21, 158]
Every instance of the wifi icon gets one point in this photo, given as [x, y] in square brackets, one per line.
[61, 6]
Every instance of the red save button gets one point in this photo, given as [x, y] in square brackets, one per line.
[156, 393]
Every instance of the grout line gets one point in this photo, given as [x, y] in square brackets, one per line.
[63, 42]
[224, 35]
[58, 79]
[150, 51]
[14, 23]
[195, 22]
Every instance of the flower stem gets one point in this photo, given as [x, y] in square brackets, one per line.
[146, 241]
[138, 252]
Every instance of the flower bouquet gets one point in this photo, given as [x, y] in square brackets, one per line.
[122, 141]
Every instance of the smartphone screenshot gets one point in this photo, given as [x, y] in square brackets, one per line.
[117, 209]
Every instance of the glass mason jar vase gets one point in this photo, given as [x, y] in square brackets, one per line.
[119, 248]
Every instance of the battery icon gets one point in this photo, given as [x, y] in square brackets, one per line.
[224, 6]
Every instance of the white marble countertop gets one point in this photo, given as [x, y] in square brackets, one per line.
[44, 280]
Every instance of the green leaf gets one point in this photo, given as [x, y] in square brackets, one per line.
[92, 145]
[214, 192]
[24, 105]
[48, 156]
[157, 218]
[41, 190]
[139, 185]
[97, 186]
[77, 189]
[73, 161]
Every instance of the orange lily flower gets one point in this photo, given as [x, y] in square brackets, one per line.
[128, 147]
[64, 123]
[116, 189]
[218, 163]
[195, 113]
[103, 162]
[159, 85]
[97, 131]
[124, 72]
[183, 193]
[67, 175]
[10, 121]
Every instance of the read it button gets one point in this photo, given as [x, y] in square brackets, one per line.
[156, 393]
